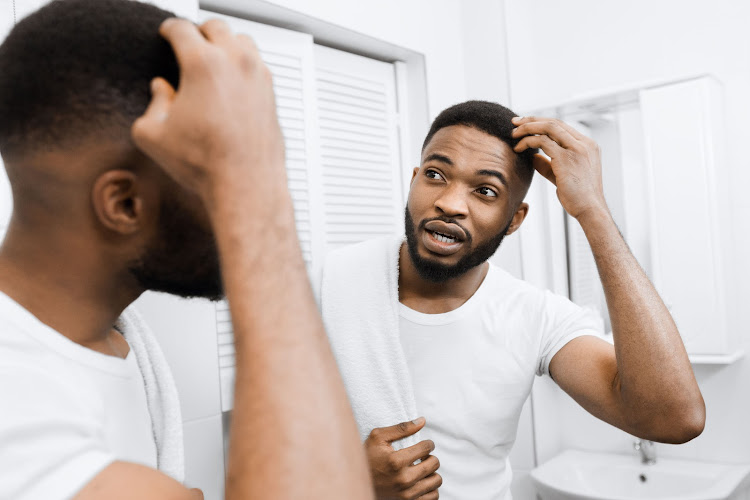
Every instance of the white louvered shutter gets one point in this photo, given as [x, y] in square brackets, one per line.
[289, 56]
[359, 149]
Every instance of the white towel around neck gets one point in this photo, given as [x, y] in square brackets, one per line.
[359, 302]
[161, 393]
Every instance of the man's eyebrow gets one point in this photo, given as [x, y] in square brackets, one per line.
[494, 173]
[440, 158]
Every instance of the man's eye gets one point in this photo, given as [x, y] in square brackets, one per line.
[487, 192]
[433, 175]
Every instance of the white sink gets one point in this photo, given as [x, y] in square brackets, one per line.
[575, 475]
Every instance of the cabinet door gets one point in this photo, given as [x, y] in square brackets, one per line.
[682, 128]
[359, 149]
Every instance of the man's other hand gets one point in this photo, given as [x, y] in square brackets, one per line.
[394, 473]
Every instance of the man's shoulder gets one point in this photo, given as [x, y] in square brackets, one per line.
[516, 297]
[509, 296]
[512, 287]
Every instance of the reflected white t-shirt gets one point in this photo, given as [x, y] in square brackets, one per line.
[66, 411]
[472, 369]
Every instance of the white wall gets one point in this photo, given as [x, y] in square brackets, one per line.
[563, 50]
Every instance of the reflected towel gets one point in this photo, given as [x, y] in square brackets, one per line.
[161, 393]
[359, 305]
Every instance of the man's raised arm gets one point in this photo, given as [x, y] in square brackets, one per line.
[645, 384]
[293, 434]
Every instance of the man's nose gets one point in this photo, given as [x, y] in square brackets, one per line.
[452, 202]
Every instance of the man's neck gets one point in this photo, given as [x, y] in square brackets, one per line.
[70, 295]
[429, 297]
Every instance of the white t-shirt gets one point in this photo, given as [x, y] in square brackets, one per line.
[472, 369]
[66, 411]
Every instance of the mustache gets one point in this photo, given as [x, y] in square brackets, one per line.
[447, 220]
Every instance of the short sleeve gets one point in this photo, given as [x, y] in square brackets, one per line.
[561, 322]
[52, 445]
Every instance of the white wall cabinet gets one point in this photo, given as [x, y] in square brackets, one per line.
[682, 126]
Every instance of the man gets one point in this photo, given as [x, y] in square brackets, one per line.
[468, 338]
[100, 216]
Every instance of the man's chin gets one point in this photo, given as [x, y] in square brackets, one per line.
[436, 260]
[436, 268]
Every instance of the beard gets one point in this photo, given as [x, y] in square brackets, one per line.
[184, 260]
[438, 272]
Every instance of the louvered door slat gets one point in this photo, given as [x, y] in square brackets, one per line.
[359, 153]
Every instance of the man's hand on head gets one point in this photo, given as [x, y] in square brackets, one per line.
[574, 165]
[394, 473]
[218, 131]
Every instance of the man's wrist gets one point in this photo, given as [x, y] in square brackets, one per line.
[595, 216]
[254, 190]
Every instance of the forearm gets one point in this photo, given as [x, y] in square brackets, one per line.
[658, 392]
[293, 433]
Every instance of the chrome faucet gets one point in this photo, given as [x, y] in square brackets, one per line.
[647, 451]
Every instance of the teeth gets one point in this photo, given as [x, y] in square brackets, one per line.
[443, 238]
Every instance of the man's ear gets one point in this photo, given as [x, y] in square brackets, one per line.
[118, 202]
[518, 218]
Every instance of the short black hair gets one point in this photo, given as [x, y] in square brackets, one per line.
[491, 118]
[75, 68]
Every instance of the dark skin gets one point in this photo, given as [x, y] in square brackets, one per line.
[95, 220]
[644, 384]
[80, 217]
[394, 473]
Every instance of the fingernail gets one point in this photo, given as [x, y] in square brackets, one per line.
[516, 119]
[418, 421]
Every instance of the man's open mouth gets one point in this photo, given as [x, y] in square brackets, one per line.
[444, 237]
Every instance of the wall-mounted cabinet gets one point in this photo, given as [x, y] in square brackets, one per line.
[660, 146]
[682, 126]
